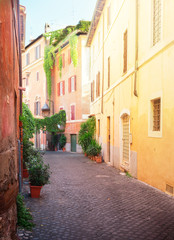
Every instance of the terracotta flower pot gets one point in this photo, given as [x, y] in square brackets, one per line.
[35, 191]
[63, 149]
[85, 154]
[98, 159]
[25, 173]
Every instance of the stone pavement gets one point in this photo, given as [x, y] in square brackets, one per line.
[86, 200]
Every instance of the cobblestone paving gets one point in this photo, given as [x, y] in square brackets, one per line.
[87, 201]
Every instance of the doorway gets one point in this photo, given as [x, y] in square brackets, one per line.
[125, 139]
[73, 142]
[108, 138]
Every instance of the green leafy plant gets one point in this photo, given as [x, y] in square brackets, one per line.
[56, 40]
[86, 133]
[128, 174]
[50, 124]
[94, 149]
[62, 141]
[28, 122]
[39, 173]
[24, 217]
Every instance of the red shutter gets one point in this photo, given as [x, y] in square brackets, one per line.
[58, 89]
[75, 83]
[72, 112]
[63, 87]
[63, 60]
[69, 84]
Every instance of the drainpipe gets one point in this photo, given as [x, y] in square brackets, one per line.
[136, 51]
[20, 167]
[103, 69]
[20, 62]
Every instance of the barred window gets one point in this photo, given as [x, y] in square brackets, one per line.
[156, 114]
[156, 21]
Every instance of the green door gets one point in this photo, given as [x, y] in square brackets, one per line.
[73, 142]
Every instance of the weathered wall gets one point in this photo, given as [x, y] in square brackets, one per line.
[9, 115]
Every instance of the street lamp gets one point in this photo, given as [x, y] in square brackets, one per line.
[45, 110]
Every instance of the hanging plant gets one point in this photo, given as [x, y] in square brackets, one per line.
[56, 39]
[73, 41]
[60, 62]
[49, 57]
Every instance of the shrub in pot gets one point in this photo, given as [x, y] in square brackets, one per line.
[94, 149]
[39, 174]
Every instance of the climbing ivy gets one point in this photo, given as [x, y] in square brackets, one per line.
[73, 41]
[49, 56]
[50, 124]
[56, 38]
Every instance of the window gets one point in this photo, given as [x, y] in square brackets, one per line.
[63, 60]
[98, 85]
[125, 53]
[108, 16]
[156, 21]
[37, 52]
[108, 72]
[156, 114]
[37, 76]
[37, 108]
[61, 88]
[27, 59]
[69, 56]
[27, 81]
[72, 84]
[72, 112]
[92, 91]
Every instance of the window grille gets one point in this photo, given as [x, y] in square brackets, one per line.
[156, 114]
[156, 21]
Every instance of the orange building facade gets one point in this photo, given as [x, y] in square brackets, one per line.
[71, 91]
[34, 81]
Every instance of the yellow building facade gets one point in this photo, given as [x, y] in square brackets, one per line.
[132, 52]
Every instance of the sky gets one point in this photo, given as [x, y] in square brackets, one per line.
[57, 13]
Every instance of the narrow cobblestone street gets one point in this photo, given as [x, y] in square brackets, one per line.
[86, 200]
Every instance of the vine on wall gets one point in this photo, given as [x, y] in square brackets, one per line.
[56, 39]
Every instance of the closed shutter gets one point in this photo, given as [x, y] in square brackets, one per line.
[99, 84]
[75, 83]
[126, 138]
[63, 87]
[69, 84]
[39, 108]
[58, 89]
[96, 86]
[125, 53]
[72, 112]
[69, 56]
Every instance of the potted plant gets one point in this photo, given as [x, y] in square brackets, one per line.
[94, 150]
[62, 142]
[39, 174]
